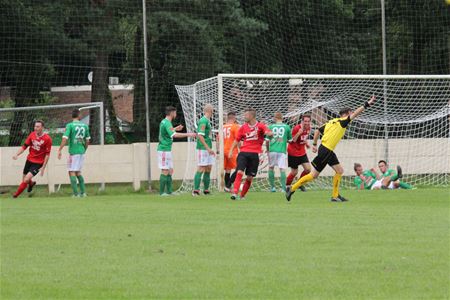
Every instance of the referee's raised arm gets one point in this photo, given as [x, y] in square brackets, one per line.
[361, 109]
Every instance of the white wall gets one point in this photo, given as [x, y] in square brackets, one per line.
[128, 163]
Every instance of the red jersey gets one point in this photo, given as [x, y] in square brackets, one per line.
[252, 137]
[40, 146]
[298, 148]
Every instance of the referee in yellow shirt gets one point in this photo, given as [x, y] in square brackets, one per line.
[332, 132]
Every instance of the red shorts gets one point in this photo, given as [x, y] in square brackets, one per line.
[229, 163]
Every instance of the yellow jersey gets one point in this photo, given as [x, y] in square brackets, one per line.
[333, 131]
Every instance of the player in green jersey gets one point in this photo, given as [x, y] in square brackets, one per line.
[77, 136]
[364, 180]
[276, 147]
[166, 135]
[391, 178]
[205, 152]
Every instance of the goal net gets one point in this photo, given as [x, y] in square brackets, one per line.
[408, 126]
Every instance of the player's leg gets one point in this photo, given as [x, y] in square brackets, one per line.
[80, 178]
[251, 171]
[271, 173]
[71, 167]
[201, 168]
[306, 169]
[26, 178]
[198, 180]
[162, 164]
[232, 166]
[319, 163]
[335, 196]
[282, 165]
[227, 171]
[241, 166]
[165, 164]
[293, 165]
[169, 183]
[163, 179]
[207, 177]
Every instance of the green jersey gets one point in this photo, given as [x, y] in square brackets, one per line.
[281, 136]
[166, 133]
[204, 129]
[370, 180]
[389, 172]
[77, 134]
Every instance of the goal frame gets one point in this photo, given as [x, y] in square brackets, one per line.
[221, 76]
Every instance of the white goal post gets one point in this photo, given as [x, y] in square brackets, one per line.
[409, 125]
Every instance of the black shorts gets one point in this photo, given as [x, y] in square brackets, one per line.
[248, 162]
[31, 167]
[324, 157]
[295, 161]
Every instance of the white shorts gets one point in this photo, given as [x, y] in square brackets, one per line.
[204, 158]
[165, 161]
[277, 159]
[75, 162]
[377, 185]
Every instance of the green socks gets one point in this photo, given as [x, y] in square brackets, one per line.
[206, 181]
[82, 186]
[162, 183]
[394, 177]
[165, 183]
[405, 185]
[169, 184]
[73, 183]
[283, 179]
[272, 178]
[197, 180]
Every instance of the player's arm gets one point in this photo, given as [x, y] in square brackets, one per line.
[317, 134]
[297, 134]
[267, 131]
[359, 183]
[201, 137]
[180, 135]
[360, 110]
[289, 134]
[376, 173]
[63, 144]
[230, 152]
[267, 145]
[64, 140]
[23, 148]
[19, 152]
[87, 140]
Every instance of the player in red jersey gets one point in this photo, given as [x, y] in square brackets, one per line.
[252, 134]
[297, 150]
[40, 145]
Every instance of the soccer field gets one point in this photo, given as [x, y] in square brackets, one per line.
[381, 244]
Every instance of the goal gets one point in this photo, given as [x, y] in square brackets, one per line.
[408, 126]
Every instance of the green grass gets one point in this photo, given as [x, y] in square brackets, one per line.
[382, 244]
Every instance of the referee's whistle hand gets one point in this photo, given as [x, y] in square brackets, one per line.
[314, 149]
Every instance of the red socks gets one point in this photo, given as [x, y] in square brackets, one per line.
[289, 179]
[21, 188]
[247, 184]
[304, 173]
[237, 183]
